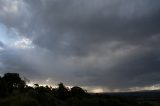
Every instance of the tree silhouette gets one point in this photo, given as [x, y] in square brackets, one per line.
[3, 88]
[62, 92]
[13, 81]
[11, 87]
[36, 85]
[77, 91]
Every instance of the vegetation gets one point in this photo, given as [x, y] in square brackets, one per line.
[15, 92]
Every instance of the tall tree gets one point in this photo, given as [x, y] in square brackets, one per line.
[13, 81]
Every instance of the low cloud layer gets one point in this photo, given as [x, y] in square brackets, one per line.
[112, 44]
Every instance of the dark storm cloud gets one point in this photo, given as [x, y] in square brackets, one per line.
[11, 61]
[110, 43]
[71, 25]
[139, 70]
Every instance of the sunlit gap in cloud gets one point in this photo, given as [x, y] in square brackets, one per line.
[46, 82]
[49, 82]
[152, 87]
[23, 43]
[97, 90]
[93, 89]
[11, 38]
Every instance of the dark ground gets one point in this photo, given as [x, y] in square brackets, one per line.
[15, 92]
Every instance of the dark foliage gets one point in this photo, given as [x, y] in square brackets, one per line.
[15, 92]
[77, 91]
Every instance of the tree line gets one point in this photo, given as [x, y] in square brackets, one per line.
[15, 92]
[11, 83]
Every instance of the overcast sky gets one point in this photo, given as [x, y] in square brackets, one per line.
[103, 45]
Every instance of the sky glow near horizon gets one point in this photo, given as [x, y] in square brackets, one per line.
[101, 45]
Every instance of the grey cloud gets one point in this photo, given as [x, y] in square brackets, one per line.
[11, 62]
[140, 67]
[1, 44]
[142, 70]
[73, 24]
[112, 43]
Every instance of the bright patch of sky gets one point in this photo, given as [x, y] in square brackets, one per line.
[11, 38]
[153, 87]
[3, 33]
[97, 90]
[7, 36]
[23, 43]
